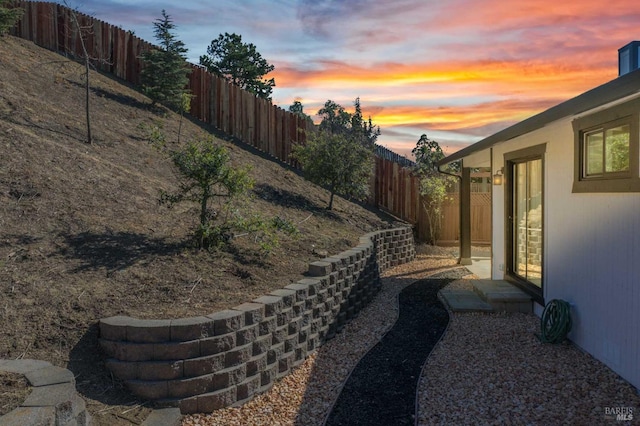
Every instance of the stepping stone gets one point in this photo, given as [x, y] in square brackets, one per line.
[499, 291]
[503, 296]
[50, 375]
[464, 301]
[164, 417]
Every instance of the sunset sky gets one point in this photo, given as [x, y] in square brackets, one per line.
[457, 70]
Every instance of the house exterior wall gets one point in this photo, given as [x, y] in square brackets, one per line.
[591, 251]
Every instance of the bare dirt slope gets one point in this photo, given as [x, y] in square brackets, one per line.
[82, 235]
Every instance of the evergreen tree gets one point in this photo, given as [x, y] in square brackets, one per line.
[335, 119]
[164, 76]
[240, 63]
[208, 179]
[298, 109]
[340, 164]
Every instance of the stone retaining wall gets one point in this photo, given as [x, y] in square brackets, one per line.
[204, 363]
[53, 399]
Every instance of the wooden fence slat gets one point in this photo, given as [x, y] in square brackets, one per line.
[238, 112]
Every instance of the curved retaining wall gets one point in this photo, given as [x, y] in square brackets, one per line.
[204, 363]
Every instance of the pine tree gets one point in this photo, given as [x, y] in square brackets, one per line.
[164, 76]
[240, 63]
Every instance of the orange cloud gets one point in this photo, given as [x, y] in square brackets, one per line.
[456, 118]
[518, 89]
[504, 73]
[466, 70]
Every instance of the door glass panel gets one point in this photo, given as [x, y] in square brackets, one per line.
[528, 220]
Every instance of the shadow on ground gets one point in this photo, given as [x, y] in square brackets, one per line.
[284, 198]
[95, 382]
[114, 250]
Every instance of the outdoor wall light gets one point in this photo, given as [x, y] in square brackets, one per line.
[498, 178]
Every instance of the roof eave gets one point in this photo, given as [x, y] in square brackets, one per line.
[622, 86]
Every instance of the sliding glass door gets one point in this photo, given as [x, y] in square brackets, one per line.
[525, 251]
[527, 232]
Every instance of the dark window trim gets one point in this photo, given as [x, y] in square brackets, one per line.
[628, 112]
[602, 129]
[535, 151]
[511, 158]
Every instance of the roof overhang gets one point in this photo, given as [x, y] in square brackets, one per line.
[479, 152]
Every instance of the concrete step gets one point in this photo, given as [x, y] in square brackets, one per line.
[463, 301]
[503, 296]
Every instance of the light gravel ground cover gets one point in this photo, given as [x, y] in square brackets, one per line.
[492, 369]
[487, 369]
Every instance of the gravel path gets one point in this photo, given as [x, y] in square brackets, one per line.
[488, 369]
[306, 396]
[381, 389]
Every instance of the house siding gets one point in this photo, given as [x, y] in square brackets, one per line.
[591, 248]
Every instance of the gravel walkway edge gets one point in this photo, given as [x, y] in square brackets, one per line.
[386, 332]
[369, 349]
[306, 396]
[424, 366]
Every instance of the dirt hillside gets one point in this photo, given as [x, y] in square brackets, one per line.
[82, 235]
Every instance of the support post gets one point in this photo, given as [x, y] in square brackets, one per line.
[465, 217]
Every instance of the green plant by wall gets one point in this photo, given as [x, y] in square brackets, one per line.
[9, 17]
[433, 184]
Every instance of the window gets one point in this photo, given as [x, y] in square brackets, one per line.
[606, 150]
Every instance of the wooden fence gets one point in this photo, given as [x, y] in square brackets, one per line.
[215, 101]
[236, 112]
[480, 218]
[397, 190]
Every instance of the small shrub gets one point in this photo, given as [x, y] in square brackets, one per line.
[207, 179]
[154, 135]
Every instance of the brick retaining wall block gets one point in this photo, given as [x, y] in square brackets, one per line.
[53, 399]
[204, 363]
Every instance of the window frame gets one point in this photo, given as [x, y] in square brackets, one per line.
[510, 159]
[602, 129]
[627, 113]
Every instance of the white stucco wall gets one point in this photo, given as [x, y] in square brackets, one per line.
[591, 252]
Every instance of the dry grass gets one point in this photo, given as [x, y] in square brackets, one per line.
[14, 389]
[82, 235]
